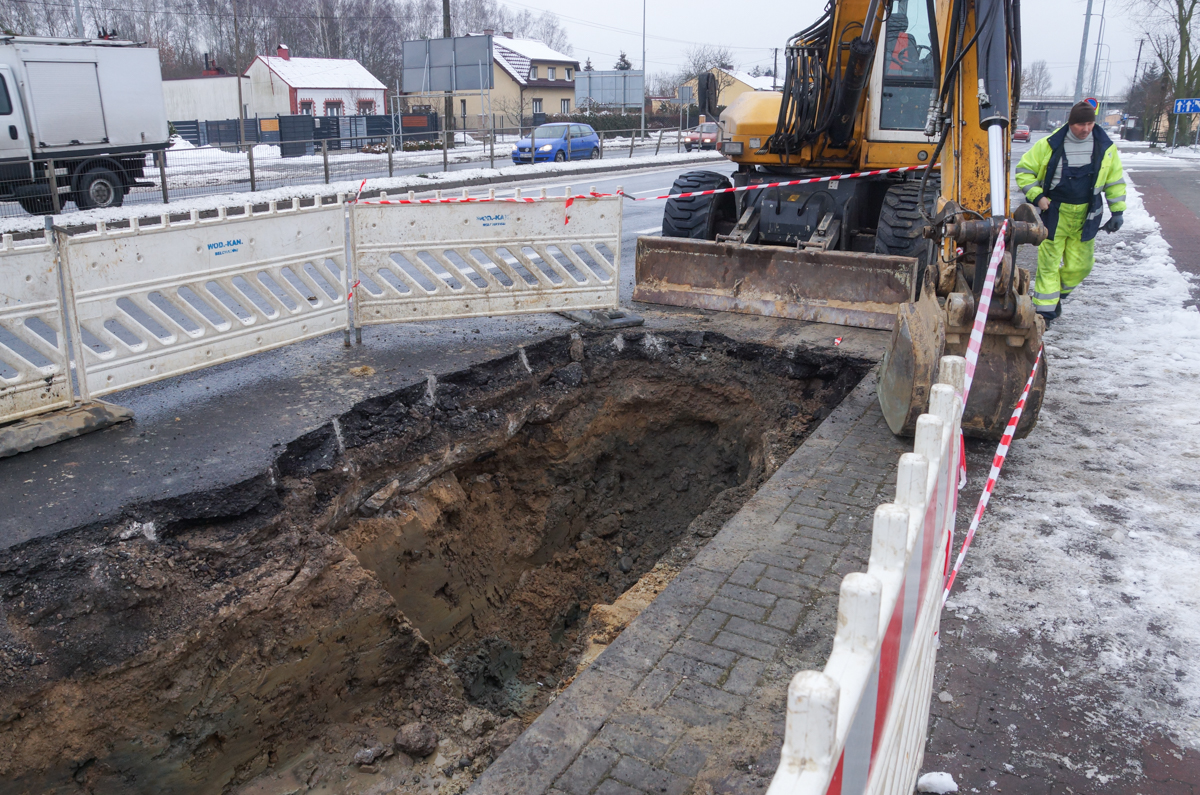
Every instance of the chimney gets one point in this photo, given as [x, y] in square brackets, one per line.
[284, 52]
[508, 34]
[489, 31]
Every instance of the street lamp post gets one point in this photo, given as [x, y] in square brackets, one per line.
[643, 68]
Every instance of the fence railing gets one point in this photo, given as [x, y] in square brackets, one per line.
[859, 726]
[90, 314]
[187, 171]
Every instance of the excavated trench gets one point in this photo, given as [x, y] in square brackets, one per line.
[446, 555]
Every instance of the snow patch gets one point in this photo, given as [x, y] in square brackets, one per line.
[939, 783]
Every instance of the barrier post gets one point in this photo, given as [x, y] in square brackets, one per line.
[389, 154]
[632, 139]
[659, 144]
[601, 145]
[325, 158]
[52, 180]
[445, 150]
[162, 174]
[250, 159]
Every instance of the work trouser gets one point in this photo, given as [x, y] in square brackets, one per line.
[1063, 261]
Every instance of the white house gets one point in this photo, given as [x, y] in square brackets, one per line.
[316, 86]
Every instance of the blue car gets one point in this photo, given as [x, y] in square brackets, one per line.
[559, 142]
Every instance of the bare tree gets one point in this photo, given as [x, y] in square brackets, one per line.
[1035, 80]
[709, 58]
[1171, 27]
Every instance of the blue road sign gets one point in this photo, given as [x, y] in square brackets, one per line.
[1187, 106]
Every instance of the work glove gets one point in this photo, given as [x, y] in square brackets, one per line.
[1114, 223]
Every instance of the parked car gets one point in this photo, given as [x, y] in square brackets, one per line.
[1021, 133]
[558, 141]
[703, 136]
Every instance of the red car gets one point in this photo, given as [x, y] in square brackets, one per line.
[703, 136]
[1021, 133]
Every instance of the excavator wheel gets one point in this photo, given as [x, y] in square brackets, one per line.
[900, 223]
[697, 217]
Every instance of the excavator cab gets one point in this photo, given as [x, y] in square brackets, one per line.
[845, 221]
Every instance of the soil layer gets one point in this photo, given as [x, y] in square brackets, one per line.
[430, 557]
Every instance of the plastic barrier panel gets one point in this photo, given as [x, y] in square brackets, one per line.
[859, 726]
[483, 259]
[33, 348]
[159, 301]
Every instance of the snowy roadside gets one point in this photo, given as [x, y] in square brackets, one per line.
[1093, 540]
[393, 185]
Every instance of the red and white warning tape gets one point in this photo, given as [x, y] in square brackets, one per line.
[997, 465]
[985, 303]
[593, 195]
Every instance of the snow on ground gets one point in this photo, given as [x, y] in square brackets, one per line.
[1093, 542]
[1137, 156]
[393, 185]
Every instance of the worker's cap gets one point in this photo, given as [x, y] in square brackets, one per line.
[1082, 113]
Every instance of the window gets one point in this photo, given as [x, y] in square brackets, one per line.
[566, 106]
[5, 100]
[533, 73]
[366, 107]
[537, 106]
[908, 78]
[333, 107]
[570, 73]
[306, 108]
[549, 72]
[579, 131]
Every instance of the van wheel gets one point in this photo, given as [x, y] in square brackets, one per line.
[99, 187]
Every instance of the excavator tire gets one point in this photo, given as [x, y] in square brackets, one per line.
[900, 223]
[696, 217]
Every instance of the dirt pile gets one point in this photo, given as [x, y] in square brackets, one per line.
[278, 635]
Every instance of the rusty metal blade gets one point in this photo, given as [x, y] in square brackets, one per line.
[841, 287]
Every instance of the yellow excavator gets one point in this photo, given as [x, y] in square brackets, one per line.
[873, 85]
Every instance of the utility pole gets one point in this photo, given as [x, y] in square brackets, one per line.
[1138, 63]
[1087, 20]
[775, 70]
[1095, 91]
[78, 20]
[449, 111]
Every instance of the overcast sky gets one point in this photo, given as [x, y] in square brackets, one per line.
[1053, 30]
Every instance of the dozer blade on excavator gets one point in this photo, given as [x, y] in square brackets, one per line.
[842, 287]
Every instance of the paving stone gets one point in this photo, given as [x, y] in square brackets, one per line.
[655, 688]
[660, 727]
[785, 614]
[588, 769]
[613, 787]
[746, 574]
[743, 679]
[818, 563]
[814, 512]
[622, 739]
[710, 697]
[743, 645]
[645, 778]
[705, 653]
[749, 629]
[747, 595]
[687, 758]
[705, 625]
[738, 608]
[692, 669]
[794, 577]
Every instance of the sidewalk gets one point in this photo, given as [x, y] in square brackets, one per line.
[1068, 651]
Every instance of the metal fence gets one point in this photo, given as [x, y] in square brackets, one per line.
[187, 171]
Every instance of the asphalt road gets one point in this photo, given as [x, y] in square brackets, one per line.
[221, 425]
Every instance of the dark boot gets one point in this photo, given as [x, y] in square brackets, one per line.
[1058, 310]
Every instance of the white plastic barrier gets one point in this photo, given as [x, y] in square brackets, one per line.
[154, 302]
[462, 260]
[33, 349]
[860, 726]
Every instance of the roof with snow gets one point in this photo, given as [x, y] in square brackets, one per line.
[761, 83]
[515, 56]
[322, 72]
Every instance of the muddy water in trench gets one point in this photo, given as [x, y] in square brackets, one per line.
[434, 557]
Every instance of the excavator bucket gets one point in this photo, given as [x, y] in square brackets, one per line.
[842, 287]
